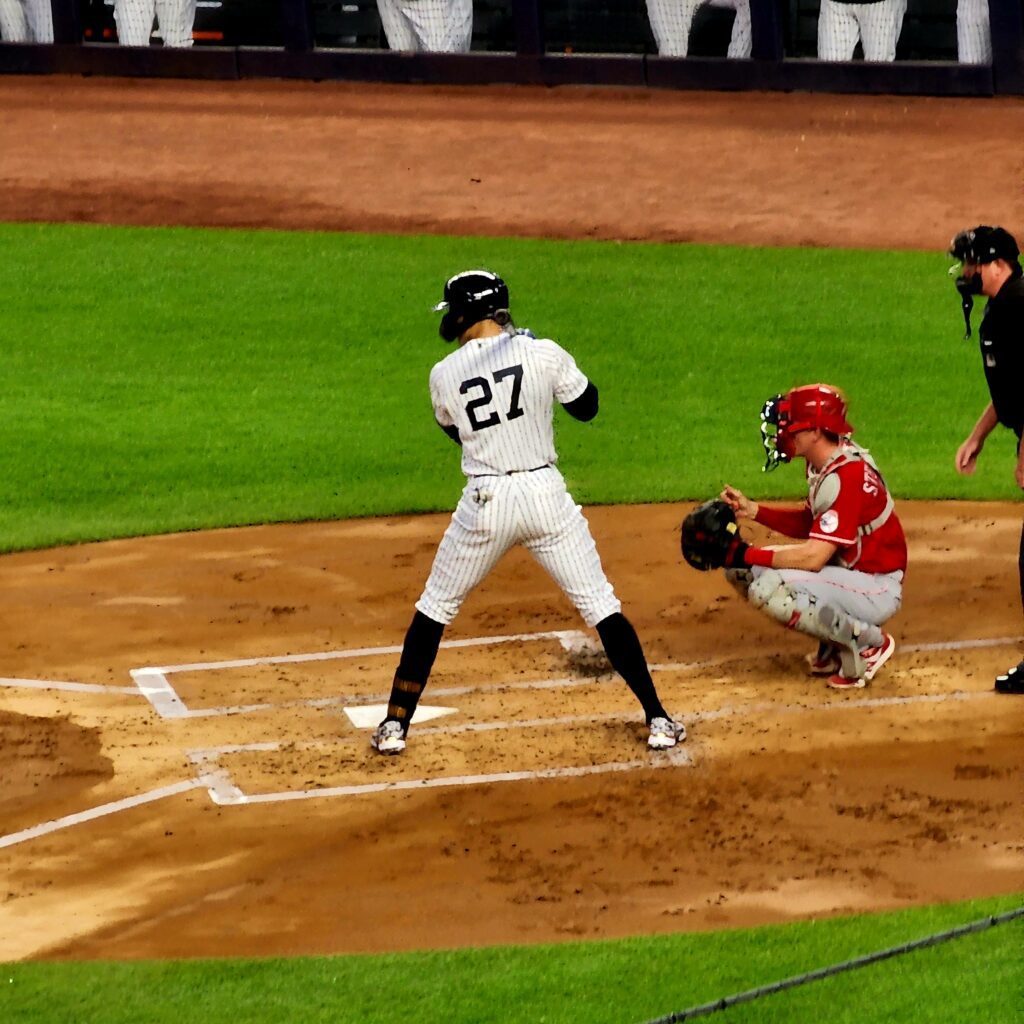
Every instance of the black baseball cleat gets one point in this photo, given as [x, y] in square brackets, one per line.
[1011, 681]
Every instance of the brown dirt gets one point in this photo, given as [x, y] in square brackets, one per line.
[786, 801]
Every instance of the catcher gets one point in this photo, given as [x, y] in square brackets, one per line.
[845, 578]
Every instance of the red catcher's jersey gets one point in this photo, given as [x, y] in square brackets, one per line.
[860, 500]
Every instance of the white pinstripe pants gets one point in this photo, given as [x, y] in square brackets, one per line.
[877, 25]
[26, 21]
[135, 21]
[496, 513]
[438, 26]
[671, 21]
[973, 32]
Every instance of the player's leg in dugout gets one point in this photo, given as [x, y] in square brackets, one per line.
[973, 32]
[838, 31]
[39, 20]
[880, 27]
[741, 39]
[134, 20]
[671, 21]
[176, 19]
[397, 29]
[13, 23]
[441, 26]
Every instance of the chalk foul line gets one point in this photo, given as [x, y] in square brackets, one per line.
[100, 812]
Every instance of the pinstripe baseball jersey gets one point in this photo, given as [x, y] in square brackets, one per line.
[499, 392]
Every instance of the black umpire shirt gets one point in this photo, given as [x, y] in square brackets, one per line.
[1002, 353]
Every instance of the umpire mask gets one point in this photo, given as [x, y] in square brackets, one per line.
[973, 247]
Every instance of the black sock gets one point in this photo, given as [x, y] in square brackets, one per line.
[418, 653]
[622, 646]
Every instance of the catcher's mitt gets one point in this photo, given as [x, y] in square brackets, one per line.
[707, 535]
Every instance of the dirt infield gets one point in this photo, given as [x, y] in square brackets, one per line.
[236, 806]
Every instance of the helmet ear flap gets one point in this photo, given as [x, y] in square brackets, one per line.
[451, 326]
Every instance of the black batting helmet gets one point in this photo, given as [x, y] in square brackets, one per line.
[470, 297]
[984, 244]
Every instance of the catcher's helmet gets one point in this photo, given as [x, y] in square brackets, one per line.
[808, 407]
[470, 297]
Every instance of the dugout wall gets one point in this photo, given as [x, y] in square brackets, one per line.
[548, 42]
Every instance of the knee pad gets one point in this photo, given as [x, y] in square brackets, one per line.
[776, 598]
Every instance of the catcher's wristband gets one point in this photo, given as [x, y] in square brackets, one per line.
[759, 556]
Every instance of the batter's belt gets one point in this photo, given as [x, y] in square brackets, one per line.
[511, 472]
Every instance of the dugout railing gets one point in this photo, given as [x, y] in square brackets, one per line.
[285, 39]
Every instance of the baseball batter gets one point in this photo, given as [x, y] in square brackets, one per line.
[875, 23]
[435, 26]
[846, 578]
[174, 18]
[26, 21]
[671, 21]
[494, 396]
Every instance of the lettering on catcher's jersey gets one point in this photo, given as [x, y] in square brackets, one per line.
[849, 502]
[499, 392]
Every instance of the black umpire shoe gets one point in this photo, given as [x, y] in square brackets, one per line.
[1011, 681]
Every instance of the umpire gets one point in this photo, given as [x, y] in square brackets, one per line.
[989, 264]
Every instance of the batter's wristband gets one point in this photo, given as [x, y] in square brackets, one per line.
[759, 556]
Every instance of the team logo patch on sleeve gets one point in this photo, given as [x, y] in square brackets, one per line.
[829, 521]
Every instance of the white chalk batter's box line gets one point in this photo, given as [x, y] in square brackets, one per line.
[154, 685]
[224, 791]
[214, 778]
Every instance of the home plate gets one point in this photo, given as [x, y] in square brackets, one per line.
[369, 716]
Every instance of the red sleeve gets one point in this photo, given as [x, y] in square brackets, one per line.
[839, 524]
[793, 522]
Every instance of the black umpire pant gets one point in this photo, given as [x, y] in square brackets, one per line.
[1020, 567]
[1020, 553]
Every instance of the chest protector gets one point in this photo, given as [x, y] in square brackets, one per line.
[823, 490]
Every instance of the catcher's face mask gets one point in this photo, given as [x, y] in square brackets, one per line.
[967, 278]
[778, 447]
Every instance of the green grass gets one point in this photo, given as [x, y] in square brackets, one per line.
[978, 977]
[170, 379]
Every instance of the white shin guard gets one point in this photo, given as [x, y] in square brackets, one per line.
[796, 609]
